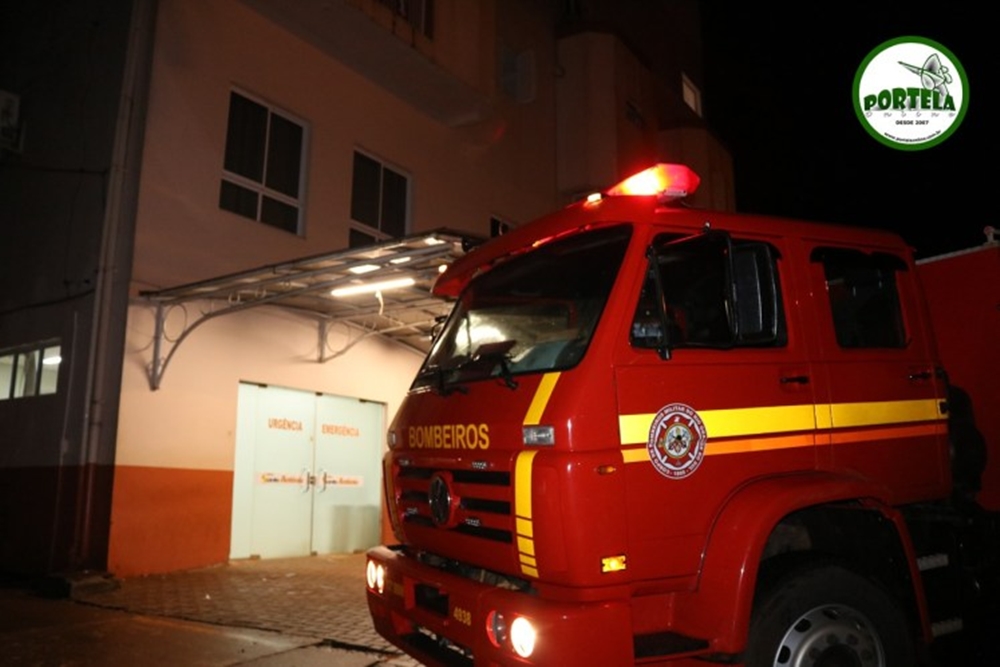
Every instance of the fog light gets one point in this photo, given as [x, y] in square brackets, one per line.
[375, 574]
[522, 637]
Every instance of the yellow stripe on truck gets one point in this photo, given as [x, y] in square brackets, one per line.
[792, 426]
[522, 512]
[641, 454]
[545, 388]
[885, 412]
[634, 429]
[742, 422]
[522, 478]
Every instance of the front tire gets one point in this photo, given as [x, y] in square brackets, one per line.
[828, 616]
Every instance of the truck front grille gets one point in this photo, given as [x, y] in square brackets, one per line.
[482, 508]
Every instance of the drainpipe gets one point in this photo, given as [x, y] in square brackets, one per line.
[103, 385]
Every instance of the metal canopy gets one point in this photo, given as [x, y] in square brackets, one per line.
[406, 315]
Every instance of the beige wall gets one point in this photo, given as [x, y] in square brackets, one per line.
[608, 113]
[698, 148]
[460, 177]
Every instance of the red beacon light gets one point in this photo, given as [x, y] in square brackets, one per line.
[668, 181]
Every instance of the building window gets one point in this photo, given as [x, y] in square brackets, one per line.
[379, 202]
[262, 177]
[691, 93]
[32, 371]
[418, 13]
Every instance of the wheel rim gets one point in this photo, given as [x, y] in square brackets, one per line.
[830, 636]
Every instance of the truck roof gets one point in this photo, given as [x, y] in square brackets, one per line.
[645, 210]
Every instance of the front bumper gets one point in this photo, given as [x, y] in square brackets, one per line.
[444, 619]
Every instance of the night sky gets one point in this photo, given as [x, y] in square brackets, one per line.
[778, 92]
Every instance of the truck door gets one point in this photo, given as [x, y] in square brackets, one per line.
[714, 388]
[884, 419]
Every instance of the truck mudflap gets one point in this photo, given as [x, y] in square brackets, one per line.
[443, 619]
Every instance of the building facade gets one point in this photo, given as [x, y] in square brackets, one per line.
[175, 168]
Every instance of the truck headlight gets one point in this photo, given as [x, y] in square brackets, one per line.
[375, 574]
[522, 636]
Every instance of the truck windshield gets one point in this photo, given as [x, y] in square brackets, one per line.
[533, 313]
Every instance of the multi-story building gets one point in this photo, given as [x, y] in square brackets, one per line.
[184, 183]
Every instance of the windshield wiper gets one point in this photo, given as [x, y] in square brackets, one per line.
[438, 383]
[496, 355]
[486, 357]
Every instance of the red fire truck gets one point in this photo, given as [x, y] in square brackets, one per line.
[649, 434]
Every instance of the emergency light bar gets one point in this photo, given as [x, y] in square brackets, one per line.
[669, 181]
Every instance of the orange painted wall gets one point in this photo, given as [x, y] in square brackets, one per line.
[169, 519]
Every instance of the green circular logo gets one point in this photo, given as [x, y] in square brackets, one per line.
[911, 93]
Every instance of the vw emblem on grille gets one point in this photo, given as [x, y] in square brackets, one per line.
[439, 497]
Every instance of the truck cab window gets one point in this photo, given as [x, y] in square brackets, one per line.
[534, 313]
[863, 297]
[709, 291]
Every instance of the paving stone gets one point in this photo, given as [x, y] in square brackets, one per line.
[318, 596]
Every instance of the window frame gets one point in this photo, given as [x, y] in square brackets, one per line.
[262, 190]
[691, 94]
[418, 13]
[360, 228]
[44, 382]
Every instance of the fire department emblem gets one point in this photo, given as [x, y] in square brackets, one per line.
[676, 442]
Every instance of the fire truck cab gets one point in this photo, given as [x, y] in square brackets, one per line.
[649, 434]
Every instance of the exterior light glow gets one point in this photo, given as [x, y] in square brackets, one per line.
[375, 576]
[363, 268]
[613, 564]
[400, 260]
[54, 360]
[670, 181]
[368, 288]
[523, 636]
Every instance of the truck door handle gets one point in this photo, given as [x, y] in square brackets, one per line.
[795, 379]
